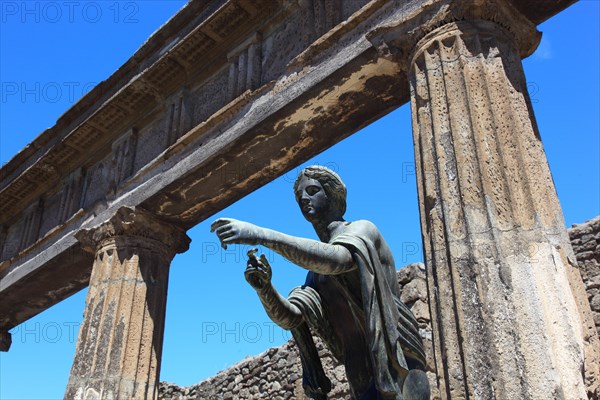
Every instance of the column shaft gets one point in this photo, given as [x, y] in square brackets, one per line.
[499, 260]
[120, 342]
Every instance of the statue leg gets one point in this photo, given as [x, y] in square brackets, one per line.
[416, 386]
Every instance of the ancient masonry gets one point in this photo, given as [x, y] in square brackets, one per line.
[276, 373]
[585, 239]
[230, 94]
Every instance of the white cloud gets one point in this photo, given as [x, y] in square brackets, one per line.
[544, 50]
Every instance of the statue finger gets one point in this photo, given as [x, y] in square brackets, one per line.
[233, 239]
[262, 267]
[252, 253]
[253, 270]
[214, 225]
[222, 228]
[251, 266]
[265, 261]
[223, 244]
[217, 223]
[248, 275]
[225, 233]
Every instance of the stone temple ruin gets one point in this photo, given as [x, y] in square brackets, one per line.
[276, 374]
[104, 197]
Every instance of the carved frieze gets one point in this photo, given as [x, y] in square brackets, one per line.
[31, 225]
[245, 66]
[71, 194]
[123, 157]
[179, 115]
[326, 14]
[3, 237]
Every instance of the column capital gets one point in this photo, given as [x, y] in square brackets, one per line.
[130, 224]
[401, 39]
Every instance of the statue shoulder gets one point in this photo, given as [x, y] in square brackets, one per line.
[365, 228]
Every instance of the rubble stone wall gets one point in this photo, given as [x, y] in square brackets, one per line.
[585, 239]
[276, 374]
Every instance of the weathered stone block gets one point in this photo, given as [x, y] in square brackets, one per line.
[414, 291]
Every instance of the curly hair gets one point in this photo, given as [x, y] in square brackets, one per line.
[331, 182]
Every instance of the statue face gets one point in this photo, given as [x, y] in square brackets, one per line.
[312, 199]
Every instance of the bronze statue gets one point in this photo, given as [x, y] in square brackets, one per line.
[350, 298]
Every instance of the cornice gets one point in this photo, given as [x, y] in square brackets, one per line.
[142, 94]
[399, 40]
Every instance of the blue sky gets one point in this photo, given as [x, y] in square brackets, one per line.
[52, 52]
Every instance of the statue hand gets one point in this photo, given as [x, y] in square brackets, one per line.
[232, 231]
[258, 271]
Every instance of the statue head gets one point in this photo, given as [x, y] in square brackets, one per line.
[332, 185]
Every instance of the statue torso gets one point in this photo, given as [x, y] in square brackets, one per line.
[341, 296]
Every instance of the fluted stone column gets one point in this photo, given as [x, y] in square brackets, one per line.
[509, 319]
[120, 342]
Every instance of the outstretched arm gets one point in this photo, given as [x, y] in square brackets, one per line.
[323, 258]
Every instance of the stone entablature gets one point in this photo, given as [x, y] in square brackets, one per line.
[126, 129]
[175, 55]
[171, 129]
[150, 88]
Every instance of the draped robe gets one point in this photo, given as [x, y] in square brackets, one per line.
[360, 318]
